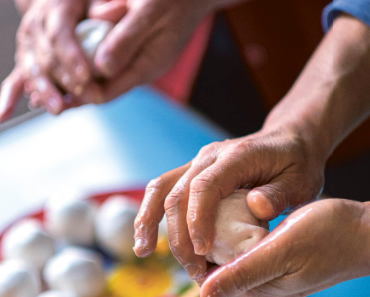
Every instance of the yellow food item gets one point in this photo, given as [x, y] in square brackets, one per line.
[149, 280]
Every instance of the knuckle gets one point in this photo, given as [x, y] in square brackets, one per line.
[173, 202]
[206, 182]
[156, 184]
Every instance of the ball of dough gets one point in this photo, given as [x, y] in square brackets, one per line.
[57, 294]
[76, 270]
[18, 279]
[70, 216]
[27, 241]
[115, 226]
[90, 33]
[237, 229]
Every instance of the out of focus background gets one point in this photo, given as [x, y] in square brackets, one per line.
[239, 64]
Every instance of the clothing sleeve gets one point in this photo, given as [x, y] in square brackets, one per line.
[358, 8]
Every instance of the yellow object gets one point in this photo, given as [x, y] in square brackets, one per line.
[163, 248]
[149, 280]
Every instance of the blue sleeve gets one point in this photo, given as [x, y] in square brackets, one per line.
[358, 8]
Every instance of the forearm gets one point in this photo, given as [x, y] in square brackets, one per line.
[332, 95]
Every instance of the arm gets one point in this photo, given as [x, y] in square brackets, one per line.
[332, 95]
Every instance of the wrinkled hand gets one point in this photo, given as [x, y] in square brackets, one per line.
[279, 168]
[49, 62]
[141, 47]
[316, 247]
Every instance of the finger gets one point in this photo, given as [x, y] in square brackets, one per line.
[75, 71]
[47, 94]
[214, 183]
[11, 93]
[112, 11]
[258, 267]
[152, 210]
[144, 69]
[124, 41]
[287, 190]
[176, 206]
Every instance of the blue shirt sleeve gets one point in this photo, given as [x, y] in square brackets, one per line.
[358, 8]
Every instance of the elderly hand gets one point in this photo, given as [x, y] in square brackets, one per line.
[142, 46]
[318, 246]
[279, 167]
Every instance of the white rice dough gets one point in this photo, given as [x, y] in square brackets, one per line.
[115, 226]
[27, 241]
[90, 33]
[18, 279]
[237, 229]
[76, 270]
[70, 216]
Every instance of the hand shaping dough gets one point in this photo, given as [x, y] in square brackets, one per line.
[237, 229]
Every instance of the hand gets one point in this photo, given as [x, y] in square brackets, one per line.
[280, 168]
[316, 247]
[146, 42]
[49, 62]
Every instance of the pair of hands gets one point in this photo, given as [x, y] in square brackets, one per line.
[52, 69]
[298, 258]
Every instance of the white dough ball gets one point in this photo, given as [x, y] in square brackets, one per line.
[18, 279]
[26, 240]
[115, 226]
[237, 229]
[57, 294]
[70, 216]
[76, 270]
[91, 33]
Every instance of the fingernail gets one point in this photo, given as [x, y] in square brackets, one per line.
[139, 243]
[199, 247]
[55, 106]
[194, 271]
[108, 66]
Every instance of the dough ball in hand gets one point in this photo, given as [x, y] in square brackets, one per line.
[237, 229]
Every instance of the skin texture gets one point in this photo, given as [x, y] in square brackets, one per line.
[283, 163]
[316, 247]
[52, 70]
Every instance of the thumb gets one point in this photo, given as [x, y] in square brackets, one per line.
[11, 92]
[287, 190]
[124, 41]
[258, 267]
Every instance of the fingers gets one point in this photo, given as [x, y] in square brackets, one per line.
[124, 41]
[112, 11]
[176, 206]
[11, 93]
[46, 94]
[152, 211]
[250, 271]
[286, 190]
[71, 69]
[214, 183]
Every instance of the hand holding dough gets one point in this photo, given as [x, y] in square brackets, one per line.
[237, 229]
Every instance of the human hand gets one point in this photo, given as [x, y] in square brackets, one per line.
[316, 247]
[49, 61]
[281, 170]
